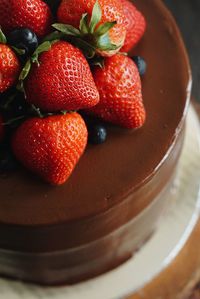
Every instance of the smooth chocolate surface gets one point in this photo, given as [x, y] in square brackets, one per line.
[113, 182]
[70, 265]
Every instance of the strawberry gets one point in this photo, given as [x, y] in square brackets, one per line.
[119, 86]
[32, 14]
[135, 25]
[62, 80]
[1, 128]
[100, 23]
[52, 146]
[9, 67]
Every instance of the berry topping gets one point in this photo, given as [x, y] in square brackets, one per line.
[52, 146]
[62, 81]
[47, 76]
[141, 64]
[134, 23]
[32, 14]
[97, 133]
[25, 39]
[9, 67]
[120, 92]
[100, 24]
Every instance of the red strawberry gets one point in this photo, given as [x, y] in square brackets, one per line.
[71, 11]
[51, 147]
[9, 67]
[1, 128]
[135, 25]
[32, 14]
[62, 81]
[119, 86]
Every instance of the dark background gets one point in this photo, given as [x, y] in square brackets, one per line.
[187, 14]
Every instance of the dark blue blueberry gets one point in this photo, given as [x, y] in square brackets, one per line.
[141, 64]
[7, 160]
[25, 39]
[97, 133]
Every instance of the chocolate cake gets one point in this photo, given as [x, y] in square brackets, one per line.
[112, 202]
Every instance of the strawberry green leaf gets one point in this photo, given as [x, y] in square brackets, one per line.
[19, 51]
[13, 120]
[44, 47]
[37, 111]
[104, 28]
[90, 36]
[23, 75]
[3, 39]
[55, 35]
[63, 112]
[20, 87]
[25, 71]
[67, 29]
[110, 47]
[104, 44]
[84, 24]
[96, 17]
[34, 59]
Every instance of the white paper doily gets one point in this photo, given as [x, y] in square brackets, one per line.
[155, 255]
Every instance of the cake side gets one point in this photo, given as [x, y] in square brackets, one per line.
[118, 186]
[46, 256]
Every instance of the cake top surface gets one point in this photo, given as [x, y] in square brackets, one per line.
[106, 174]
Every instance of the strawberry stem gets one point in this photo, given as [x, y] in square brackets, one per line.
[37, 111]
[55, 35]
[44, 47]
[19, 51]
[90, 37]
[67, 29]
[3, 39]
[13, 120]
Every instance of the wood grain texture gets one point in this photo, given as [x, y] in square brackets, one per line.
[187, 15]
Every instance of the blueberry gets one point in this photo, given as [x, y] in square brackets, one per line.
[7, 160]
[141, 64]
[97, 133]
[23, 38]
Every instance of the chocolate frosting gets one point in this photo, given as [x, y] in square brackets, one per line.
[132, 167]
[113, 200]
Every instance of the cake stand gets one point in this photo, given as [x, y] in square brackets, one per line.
[173, 232]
